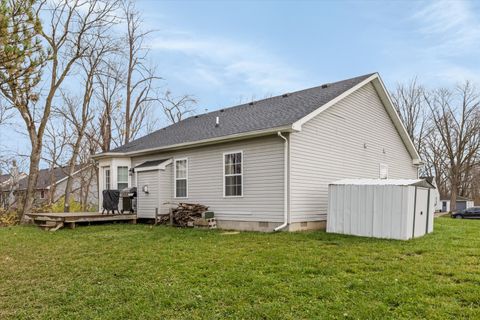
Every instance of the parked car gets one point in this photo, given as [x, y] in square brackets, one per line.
[469, 213]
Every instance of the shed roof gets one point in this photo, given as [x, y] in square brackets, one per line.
[385, 182]
[151, 163]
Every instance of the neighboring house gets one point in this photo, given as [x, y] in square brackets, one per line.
[51, 185]
[7, 186]
[436, 194]
[462, 203]
[267, 164]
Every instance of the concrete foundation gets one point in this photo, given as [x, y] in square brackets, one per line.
[269, 226]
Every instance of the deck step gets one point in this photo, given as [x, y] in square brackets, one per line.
[46, 223]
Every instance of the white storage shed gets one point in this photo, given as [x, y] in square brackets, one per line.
[392, 209]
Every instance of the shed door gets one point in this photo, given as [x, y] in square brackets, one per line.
[421, 212]
[147, 202]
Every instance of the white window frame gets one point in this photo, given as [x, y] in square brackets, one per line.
[224, 176]
[175, 177]
[128, 173]
[105, 169]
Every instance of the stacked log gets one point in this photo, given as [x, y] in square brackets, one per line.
[184, 214]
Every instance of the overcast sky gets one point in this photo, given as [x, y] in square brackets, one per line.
[224, 53]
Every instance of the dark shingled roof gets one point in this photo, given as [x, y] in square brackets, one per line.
[263, 114]
[151, 163]
[45, 177]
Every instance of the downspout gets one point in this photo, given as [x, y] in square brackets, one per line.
[285, 184]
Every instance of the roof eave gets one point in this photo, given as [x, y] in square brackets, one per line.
[233, 137]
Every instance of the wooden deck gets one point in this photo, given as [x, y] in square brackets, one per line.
[54, 221]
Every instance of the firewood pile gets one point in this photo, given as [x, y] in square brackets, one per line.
[184, 214]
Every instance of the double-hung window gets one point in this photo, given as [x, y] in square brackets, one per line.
[122, 178]
[233, 174]
[106, 172]
[181, 178]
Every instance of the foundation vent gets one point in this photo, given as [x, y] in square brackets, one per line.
[263, 224]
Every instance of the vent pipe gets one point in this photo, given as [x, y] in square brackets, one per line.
[217, 121]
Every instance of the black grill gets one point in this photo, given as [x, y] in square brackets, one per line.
[129, 199]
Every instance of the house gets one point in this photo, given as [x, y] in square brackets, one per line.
[461, 203]
[266, 165]
[9, 183]
[51, 184]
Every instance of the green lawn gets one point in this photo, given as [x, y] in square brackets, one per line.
[136, 271]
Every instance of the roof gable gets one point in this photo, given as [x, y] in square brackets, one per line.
[48, 177]
[387, 103]
[287, 112]
[275, 112]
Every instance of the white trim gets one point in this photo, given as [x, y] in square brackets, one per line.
[232, 137]
[128, 174]
[387, 102]
[241, 168]
[297, 125]
[286, 186]
[160, 166]
[175, 177]
[104, 180]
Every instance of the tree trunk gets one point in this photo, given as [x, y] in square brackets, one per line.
[32, 179]
[453, 190]
[71, 171]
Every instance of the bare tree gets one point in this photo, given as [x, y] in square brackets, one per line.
[5, 113]
[78, 112]
[409, 100]
[456, 117]
[67, 36]
[177, 108]
[57, 138]
[140, 77]
[110, 83]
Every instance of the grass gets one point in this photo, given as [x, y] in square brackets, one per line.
[139, 272]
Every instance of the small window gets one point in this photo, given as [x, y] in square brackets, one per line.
[181, 178]
[233, 174]
[383, 171]
[122, 178]
[42, 194]
[107, 178]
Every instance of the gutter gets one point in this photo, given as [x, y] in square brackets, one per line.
[285, 184]
[238, 136]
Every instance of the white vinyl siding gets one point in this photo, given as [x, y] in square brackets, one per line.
[233, 174]
[122, 177]
[181, 178]
[349, 140]
[262, 198]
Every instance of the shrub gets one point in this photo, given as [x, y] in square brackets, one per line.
[8, 218]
